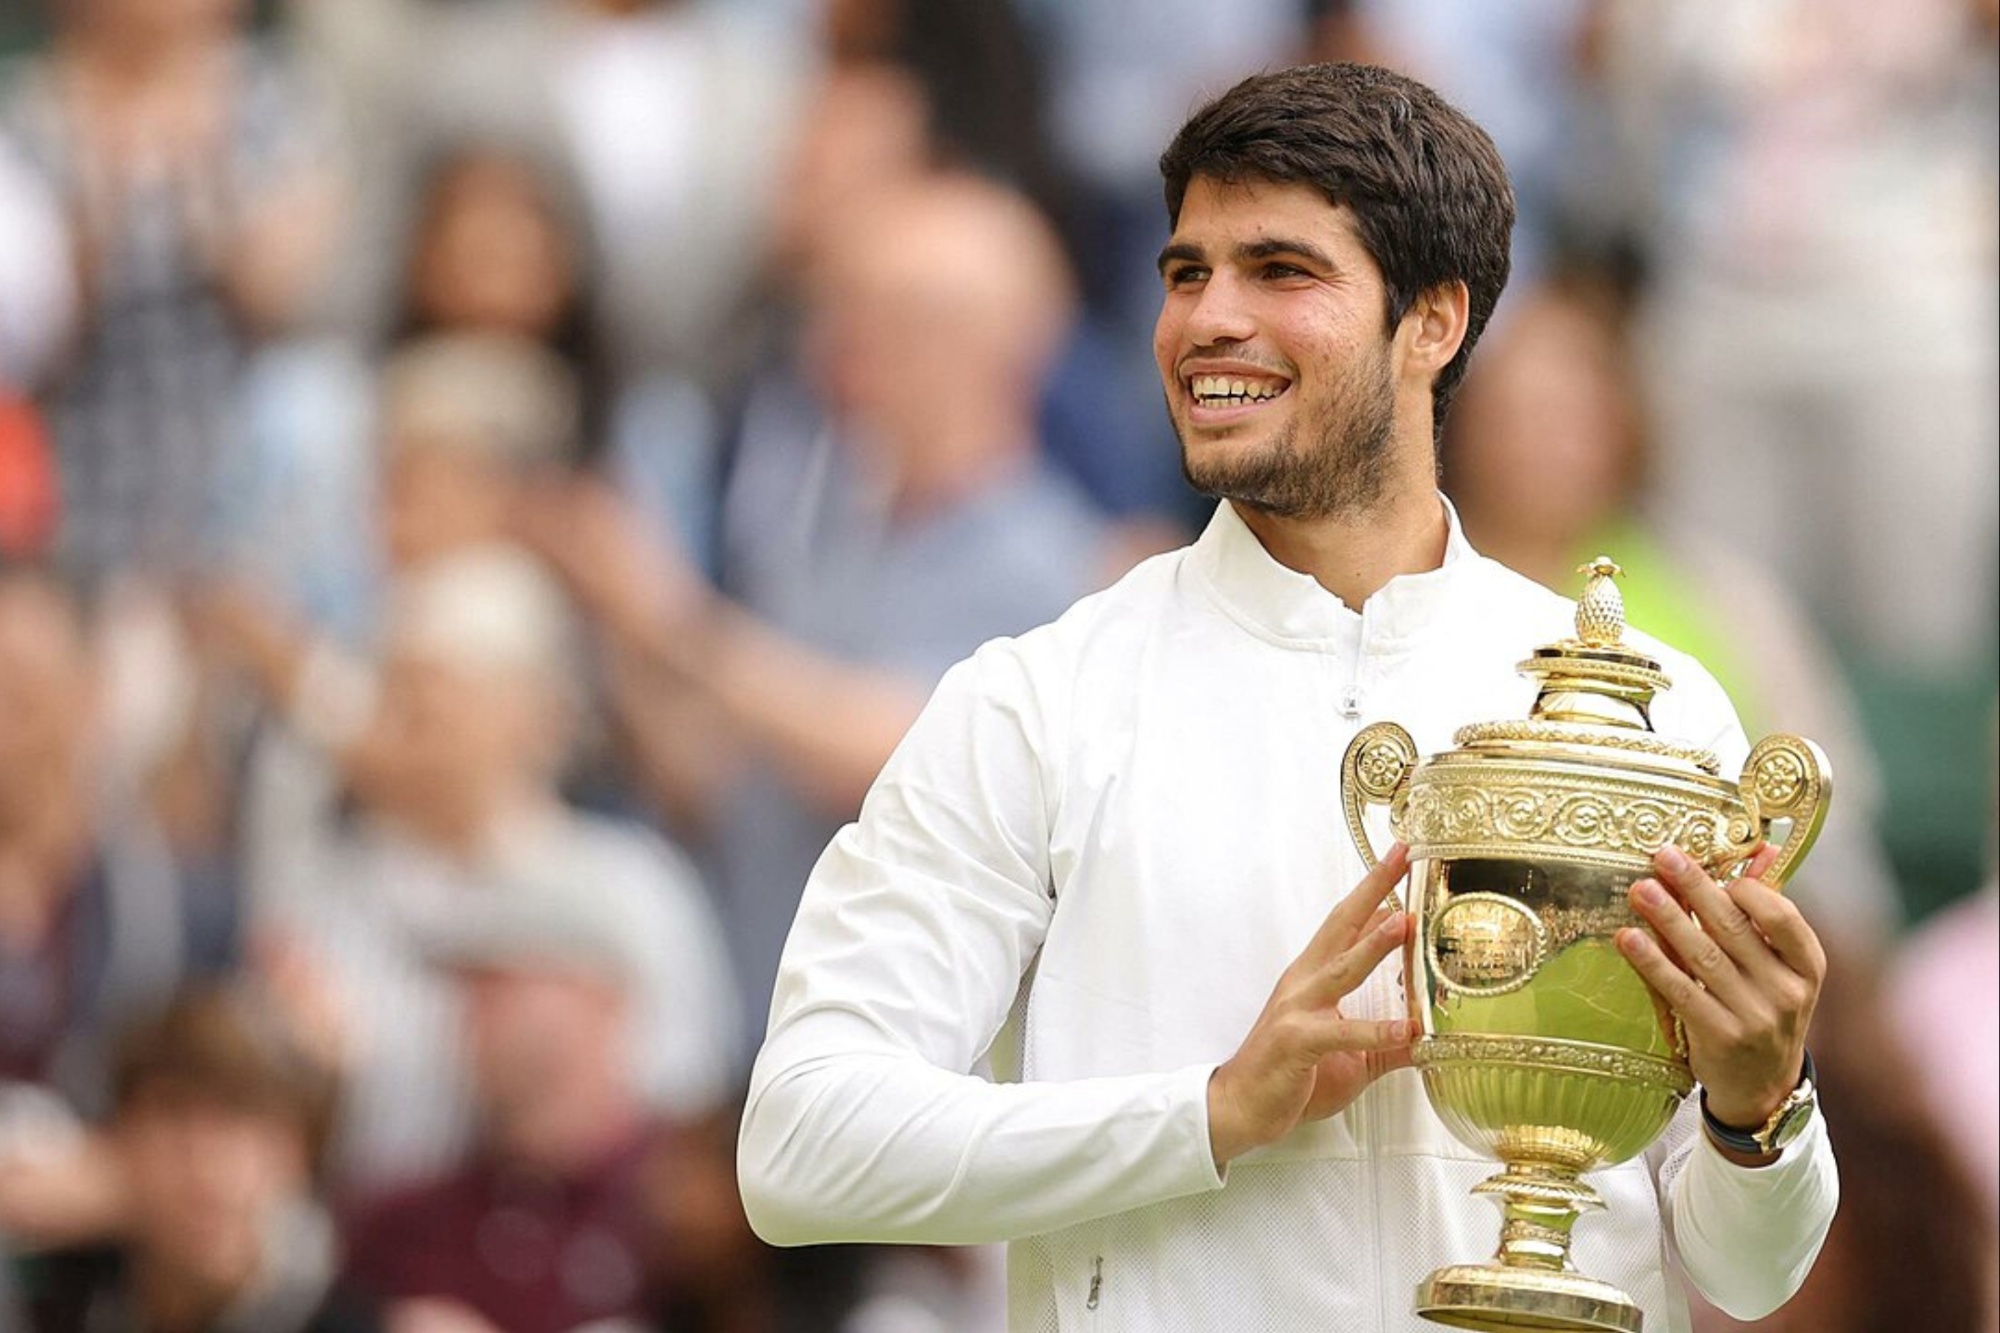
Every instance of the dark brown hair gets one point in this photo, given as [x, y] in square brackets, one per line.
[1429, 194]
[215, 1044]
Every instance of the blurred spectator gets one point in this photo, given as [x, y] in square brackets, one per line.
[1944, 1003]
[37, 282]
[197, 179]
[1546, 453]
[217, 1122]
[502, 248]
[467, 419]
[543, 1228]
[1913, 1245]
[451, 755]
[883, 520]
[670, 114]
[1816, 200]
[95, 926]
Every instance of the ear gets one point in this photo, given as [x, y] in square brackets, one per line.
[1433, 328]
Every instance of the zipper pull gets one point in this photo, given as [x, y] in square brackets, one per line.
[1096, 1282]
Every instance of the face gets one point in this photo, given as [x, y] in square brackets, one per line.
[526, 1027]
[493, 253]
[1281, 379]
[446, 736]
[45, 695]
[203, 1178]
[1544, 436]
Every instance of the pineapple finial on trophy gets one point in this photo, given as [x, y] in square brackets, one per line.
[1600, 612]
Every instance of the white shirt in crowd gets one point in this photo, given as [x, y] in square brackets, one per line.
[1084, 869]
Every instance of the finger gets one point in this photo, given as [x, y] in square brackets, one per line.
[1382, 1038]
[1352, 965]
[1351, 914]
[1681, 993]
[1761, 863]
[1694, 952]
[1781, 923]
[1722, 921]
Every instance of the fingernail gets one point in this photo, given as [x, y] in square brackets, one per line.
[1394, 925]
[1631, 941]
[1402, 1030]
[1650, 893]
[1673, 858]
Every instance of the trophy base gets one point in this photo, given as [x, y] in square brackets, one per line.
[1492, 1298]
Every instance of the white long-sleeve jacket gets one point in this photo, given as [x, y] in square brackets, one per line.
[1085, 868]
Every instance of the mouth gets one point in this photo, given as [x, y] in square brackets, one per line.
[1220, 399]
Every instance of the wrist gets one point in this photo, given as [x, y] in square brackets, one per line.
[1226, 1138]
[1755, 1141]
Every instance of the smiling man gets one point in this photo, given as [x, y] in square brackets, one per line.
[1092, 973]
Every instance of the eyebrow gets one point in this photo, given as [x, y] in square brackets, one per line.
[1249, 252]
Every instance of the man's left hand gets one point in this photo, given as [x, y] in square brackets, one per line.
[1743, 979]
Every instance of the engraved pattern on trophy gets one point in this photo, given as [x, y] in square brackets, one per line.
[1542, 1047]
[1485, 944]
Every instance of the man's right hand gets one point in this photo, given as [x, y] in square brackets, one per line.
[1303, 1059]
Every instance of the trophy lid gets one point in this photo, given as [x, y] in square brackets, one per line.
[1595, 689]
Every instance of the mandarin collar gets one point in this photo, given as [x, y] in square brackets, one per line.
[1291, 608]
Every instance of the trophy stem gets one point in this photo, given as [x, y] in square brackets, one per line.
[1530, 1284]
[1540, 1202]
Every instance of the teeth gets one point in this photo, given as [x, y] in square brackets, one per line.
[1210, 388]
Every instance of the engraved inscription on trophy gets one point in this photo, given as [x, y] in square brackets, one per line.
[1485, 944]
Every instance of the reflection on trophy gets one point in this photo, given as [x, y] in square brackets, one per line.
[1541, 1046]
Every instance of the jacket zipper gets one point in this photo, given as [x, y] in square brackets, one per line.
[1096, 1293]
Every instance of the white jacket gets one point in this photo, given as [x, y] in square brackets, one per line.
[1085, 867]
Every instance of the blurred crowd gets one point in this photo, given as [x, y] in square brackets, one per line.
[484, 484]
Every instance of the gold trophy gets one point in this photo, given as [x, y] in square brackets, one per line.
[1540, 1045]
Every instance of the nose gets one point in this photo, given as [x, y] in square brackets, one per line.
[1220, 313]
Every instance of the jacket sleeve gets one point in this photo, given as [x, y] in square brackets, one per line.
[918, 926]
[1747, 1236]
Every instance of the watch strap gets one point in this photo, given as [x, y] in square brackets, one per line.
[1752, 1142]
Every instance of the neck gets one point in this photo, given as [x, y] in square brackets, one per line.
[1353, 557]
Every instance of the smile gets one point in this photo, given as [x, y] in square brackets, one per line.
[1222, 393]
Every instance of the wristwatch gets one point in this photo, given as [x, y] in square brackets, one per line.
[1785, 1125]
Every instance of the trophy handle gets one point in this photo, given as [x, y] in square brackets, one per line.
[1788, 777]
[1374, 771]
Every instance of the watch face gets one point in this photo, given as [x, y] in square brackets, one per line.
[1790, 1121]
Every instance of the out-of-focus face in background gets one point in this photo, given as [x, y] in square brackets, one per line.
[204, 1176]
[464, 417]
[46, 696]
[930, 301]
[473, 716]
[1545, 434]
[492, 251]
[527, 1028]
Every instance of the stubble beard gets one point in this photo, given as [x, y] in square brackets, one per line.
[1342, 472]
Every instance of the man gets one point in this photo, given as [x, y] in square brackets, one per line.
[454, 779]
[219, 1116]
[1103, 843]
[543, 1228]
[888, 512]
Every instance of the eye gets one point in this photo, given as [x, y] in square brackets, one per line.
[1184, 275]
[1279, 272]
